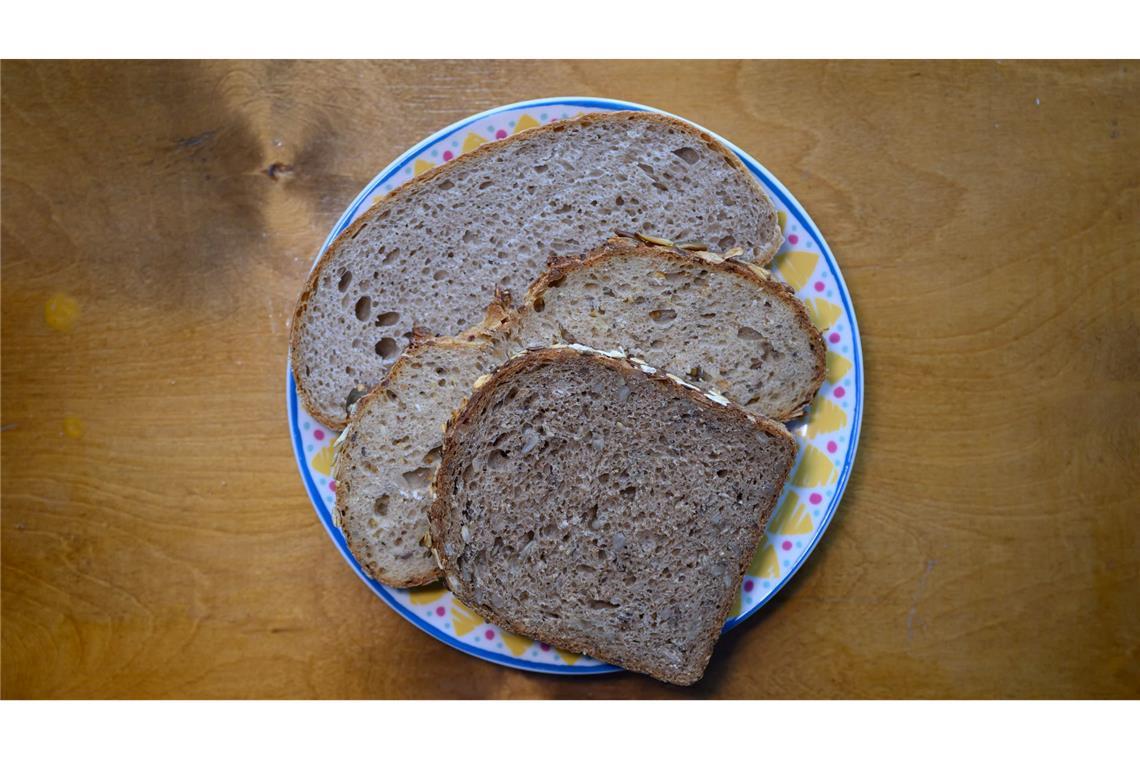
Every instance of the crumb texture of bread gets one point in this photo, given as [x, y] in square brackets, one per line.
[717, 325]
[589, 503]
[390, 452]
[432, 252]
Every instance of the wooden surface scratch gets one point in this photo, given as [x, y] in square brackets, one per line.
[159, 219]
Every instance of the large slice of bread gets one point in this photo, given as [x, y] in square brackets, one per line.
[722, 324]
[431, 252]
[390, 450]
[599, 505]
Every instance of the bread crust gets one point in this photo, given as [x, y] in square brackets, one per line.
[439, 514]
[764, 250]
[558, 267]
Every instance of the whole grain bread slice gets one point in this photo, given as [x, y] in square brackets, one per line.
[720, 323]
[388, 453]
[600, 505]
[431, 252]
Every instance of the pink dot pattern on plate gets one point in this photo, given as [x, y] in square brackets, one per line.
[819, 286]
[500, 134]
[440, 611]
[815, 498]
[489, 634]
[840, 393]
[786, 545]
[319, 435]
[793, 239]
[332, 486]
[834, 337]
[831, 447]
[544, 647]
[748, 585]
[448, 155]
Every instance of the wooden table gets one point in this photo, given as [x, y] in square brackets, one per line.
[159, 218]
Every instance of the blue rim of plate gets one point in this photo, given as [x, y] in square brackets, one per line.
[773, 184]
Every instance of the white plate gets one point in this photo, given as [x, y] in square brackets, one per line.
[827, 436]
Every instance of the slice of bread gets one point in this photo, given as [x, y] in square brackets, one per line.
[602, 506]
[388, 454]
[431, 252]
[723, 325]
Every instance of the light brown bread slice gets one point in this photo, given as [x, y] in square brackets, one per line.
[390, 450]
[431, 253]
[603, 507]
[721, 324]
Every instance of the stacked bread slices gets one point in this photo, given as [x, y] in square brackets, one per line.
[593, 464]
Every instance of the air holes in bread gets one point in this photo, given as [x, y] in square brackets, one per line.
[387, 348]
[663, 316]
[688, 155]
[419, 479]
[388, 318]
[363, 308]
[345, 281]
[354, 395]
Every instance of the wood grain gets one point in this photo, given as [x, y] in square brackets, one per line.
[157, 541]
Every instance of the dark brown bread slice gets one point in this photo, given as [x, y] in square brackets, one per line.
[597, 504]
[431, 252]
[722, 324]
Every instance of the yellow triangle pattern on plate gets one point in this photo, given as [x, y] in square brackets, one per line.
[796, 267]
[782, 218]
[427, 594]
[323, 460]
[464, 620]
[825, 417]
[421, 166]
[526, 122]
[517, 644]
[837, 367]
[472, 141]
[737, 606]
[765, 564]
[823, 313]
[792, 519]
[815, 469]
[568, 657]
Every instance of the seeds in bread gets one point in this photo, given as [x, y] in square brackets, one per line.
[717, 323]
[432, 251]
[598, 505]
